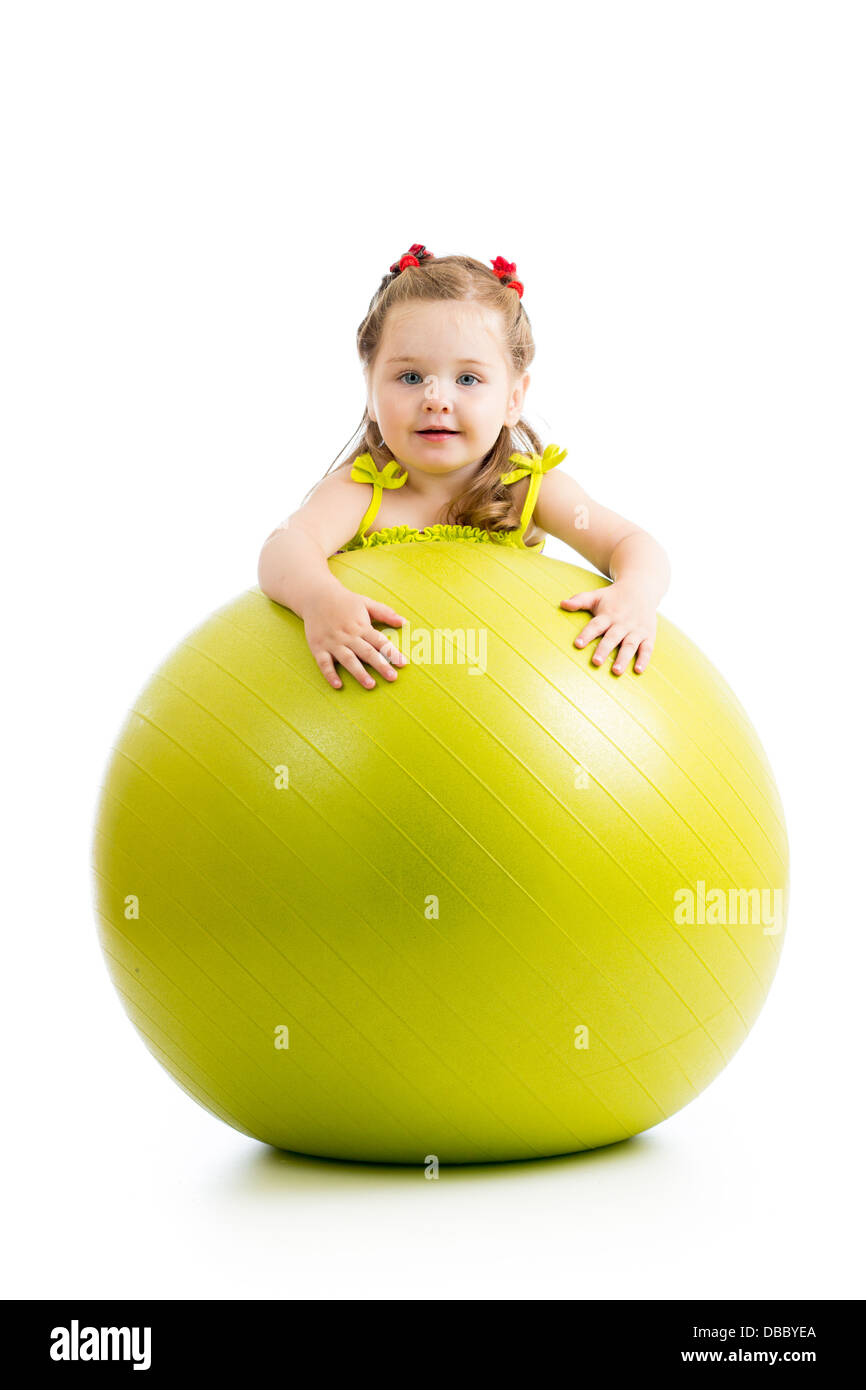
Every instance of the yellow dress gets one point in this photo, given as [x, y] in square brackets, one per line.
[364, 470]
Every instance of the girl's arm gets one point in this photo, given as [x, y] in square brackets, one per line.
[293, 570]
[624, 611]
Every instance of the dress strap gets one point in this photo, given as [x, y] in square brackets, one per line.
[364, 470]
[536, 466]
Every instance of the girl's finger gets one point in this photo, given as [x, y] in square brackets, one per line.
[347, 658]
[611, 639]
[381, 613]
[594, 628]
[588, 599]
[369, 654]
[644, 652]
[389, 649]
[326, 666]
[627, 650]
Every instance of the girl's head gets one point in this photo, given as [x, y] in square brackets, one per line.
[446, 342]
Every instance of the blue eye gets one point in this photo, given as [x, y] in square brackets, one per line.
[412, 383]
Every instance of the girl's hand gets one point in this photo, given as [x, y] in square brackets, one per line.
[339, 627]
[626, 617]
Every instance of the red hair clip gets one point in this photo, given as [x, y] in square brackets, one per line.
[501, 268]
[414, 256]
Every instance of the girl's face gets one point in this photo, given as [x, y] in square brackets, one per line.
[441, 362]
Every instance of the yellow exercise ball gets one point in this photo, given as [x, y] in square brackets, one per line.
[507, 906]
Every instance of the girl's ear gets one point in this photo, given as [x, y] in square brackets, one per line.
[516, 399]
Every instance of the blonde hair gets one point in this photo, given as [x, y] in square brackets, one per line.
[486, 502]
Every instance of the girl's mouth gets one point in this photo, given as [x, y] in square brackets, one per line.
[437, 434]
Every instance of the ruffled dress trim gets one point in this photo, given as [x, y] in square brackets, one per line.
[396, 535]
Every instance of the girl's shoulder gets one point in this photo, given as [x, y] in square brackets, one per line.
[335, 501]
[335, 482]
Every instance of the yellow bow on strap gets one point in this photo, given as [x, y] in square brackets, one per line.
[364, 470]
[532, 463]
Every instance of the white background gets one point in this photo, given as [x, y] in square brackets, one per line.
[199, 201]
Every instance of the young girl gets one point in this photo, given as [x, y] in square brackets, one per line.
[445, 347]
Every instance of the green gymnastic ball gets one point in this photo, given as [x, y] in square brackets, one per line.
[509, 905]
